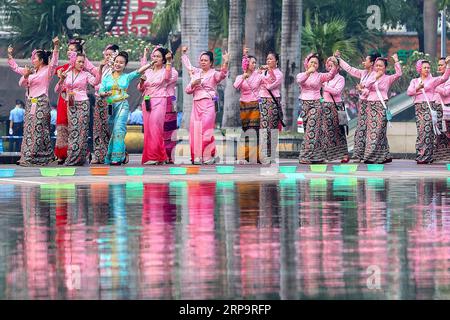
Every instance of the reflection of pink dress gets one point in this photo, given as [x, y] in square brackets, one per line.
[157, 243]
[41, 276]
[429, 244]
[260, 248]
[373, 242]
[199, 259]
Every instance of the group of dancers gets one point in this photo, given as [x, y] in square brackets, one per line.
[261, 112]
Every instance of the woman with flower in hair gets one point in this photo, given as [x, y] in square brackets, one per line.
[442, 107]
[114, 90]
[75, 83]
[422, 89]
[249, 84]
[154, 106]
[376, 93]
[100, 130]
[363, 74]
[75, 46]
[335, 141]
[203, 87]
[310, 82]
[36, 144]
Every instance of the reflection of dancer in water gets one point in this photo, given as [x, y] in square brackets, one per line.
[114, 90]
[36, 145]
[157, 242]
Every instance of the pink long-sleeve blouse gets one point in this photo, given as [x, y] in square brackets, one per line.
[249, 87]
[333, 89]
[272, 81]
[78, 84]
[156, 84]
[172, 83]
[384, 84]
[442, 92]
[208, 86]
[430, 85]
[39, 82]
[310, 84]
[362, 74]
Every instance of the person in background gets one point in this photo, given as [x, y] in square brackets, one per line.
[16, 126]
[53, 121]
[136, 116]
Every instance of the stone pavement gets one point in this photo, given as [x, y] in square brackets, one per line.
[402, 169]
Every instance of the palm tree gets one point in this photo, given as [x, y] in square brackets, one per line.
[194, 34]
[326, 38]
[36, 23]
[235, 39]
[430, 18]
[250, 25]
[290, 55]
[265, 34]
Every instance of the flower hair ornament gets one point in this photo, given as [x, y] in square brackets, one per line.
[72, 58]
[106, 49]
[419, 66]
[245, 63]
[33, 54]
[155, 49]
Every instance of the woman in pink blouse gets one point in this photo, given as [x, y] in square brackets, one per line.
[73, 83]
[36, 144]
[154, 106]
[335, 142]
[363, 74]
[442, 103]
[310, 82]
[270, 107]
[423, 89]
[203, 86]
[376, 93]
[170, 119]
[249, 84]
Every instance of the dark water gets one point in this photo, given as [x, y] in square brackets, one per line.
[305, 239]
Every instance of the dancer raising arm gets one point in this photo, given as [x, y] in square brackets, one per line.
[36, 144]
[114, 90]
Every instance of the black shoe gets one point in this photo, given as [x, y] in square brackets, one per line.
[127, 158]
[116, 164]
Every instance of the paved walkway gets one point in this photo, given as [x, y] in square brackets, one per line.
[401, 169]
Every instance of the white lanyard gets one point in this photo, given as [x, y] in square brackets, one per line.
[433, 114]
